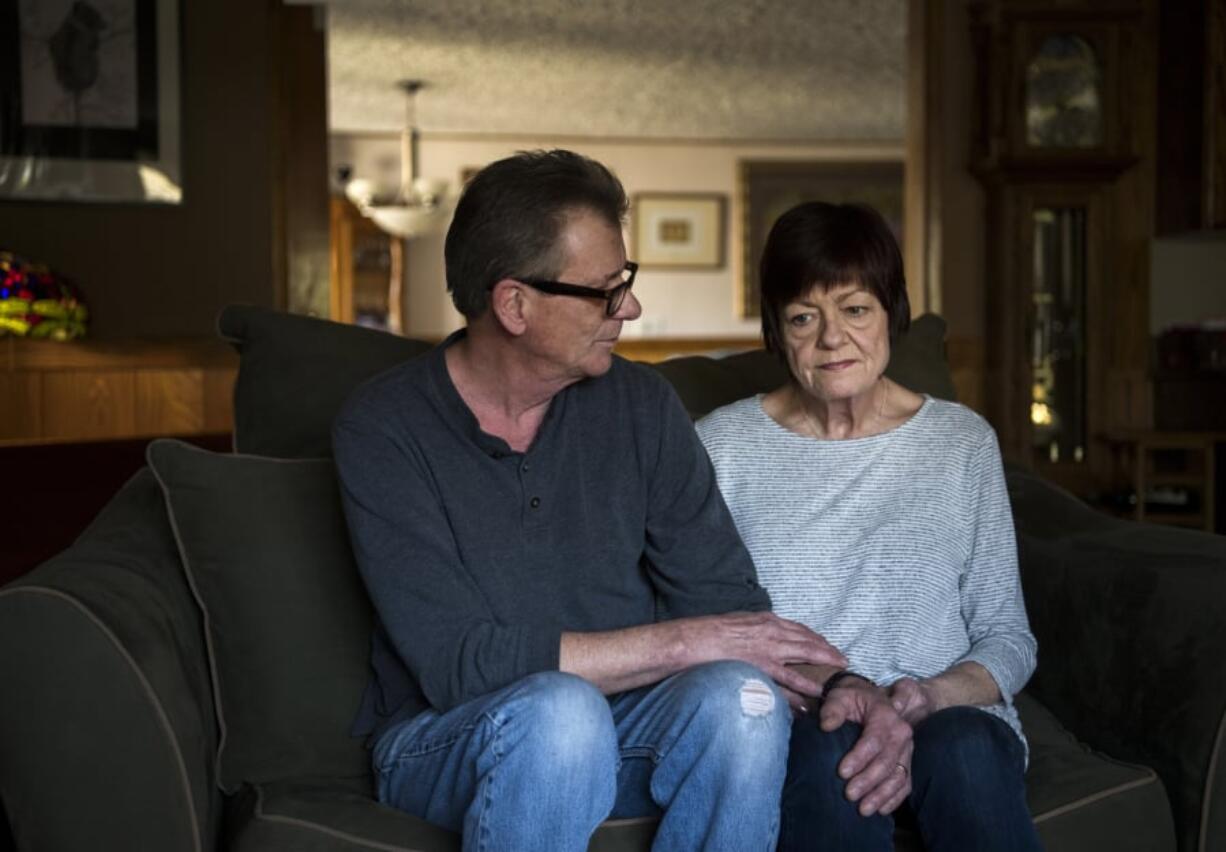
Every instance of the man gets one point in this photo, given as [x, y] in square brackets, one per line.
[568, 624]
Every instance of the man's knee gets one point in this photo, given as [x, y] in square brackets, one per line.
[563, 718]
[743, 712]
[739, 688]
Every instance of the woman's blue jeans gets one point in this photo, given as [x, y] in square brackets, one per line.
[967, 789]
[540, 764]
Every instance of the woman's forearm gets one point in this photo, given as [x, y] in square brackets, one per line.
[965, 683]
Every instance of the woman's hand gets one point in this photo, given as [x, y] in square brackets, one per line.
[913, 699]
[878, 767]
[965, 683]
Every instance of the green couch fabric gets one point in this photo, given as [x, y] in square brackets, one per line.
[333, 816]
[106, 722]
[296, 372]
[1083, 800]
[1134, 611]
[266, 552]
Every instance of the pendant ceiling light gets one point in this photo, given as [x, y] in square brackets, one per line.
[420, 206]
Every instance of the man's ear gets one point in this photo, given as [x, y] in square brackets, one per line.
[509, 307]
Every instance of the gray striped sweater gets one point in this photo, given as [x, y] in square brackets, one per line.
[898, 547]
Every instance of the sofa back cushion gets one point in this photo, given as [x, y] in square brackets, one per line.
[295, 372]
[287, 622]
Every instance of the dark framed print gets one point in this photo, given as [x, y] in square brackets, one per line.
[678, 230]
[769, 188]
[89, 100]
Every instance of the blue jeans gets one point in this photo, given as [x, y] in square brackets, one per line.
[967, 789]
[540, 764]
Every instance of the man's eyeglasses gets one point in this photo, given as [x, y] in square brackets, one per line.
[613, 296]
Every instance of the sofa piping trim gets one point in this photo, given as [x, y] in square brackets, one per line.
[1207, 799]
[359, 841]
[210, 651]
[154, 701]
[1150, 778]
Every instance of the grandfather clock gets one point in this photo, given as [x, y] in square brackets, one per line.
[1064, 102]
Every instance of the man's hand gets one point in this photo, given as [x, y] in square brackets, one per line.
[769, 642]
[617, 660]
[878, 767]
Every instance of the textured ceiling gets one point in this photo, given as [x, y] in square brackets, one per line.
[755, 69]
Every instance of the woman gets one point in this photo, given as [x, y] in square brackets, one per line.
[879, 518]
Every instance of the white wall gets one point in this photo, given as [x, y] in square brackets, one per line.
[675, 303]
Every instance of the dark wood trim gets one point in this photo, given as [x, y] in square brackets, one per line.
[652, 349]
[1215, 117]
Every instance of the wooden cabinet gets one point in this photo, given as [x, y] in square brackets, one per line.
[84, 391]
[367, 270]
[1063, 144]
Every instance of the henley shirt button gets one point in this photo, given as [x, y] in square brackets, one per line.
[535, 502]
[526, 467]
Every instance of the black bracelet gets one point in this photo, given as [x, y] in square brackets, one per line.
[833, 681]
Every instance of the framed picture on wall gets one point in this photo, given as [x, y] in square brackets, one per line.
[678, 230]
[89, 100]
[769, 188]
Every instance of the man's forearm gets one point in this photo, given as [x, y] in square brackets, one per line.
[617, 660]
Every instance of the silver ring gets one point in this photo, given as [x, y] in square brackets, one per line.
[904, 769]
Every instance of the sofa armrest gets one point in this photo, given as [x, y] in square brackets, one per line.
[1131, 645]
[107, 731]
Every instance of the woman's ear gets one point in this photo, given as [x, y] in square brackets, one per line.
[508, 306]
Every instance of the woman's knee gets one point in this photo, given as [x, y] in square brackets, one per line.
[816, 811]
[814, 754]
[969, 743]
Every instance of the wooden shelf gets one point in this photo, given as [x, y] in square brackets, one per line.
[1183, 460]
[653, 349]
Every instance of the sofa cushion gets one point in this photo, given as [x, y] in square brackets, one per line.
[1080, 799]
[294, 374]
[329, 816]
[287, 623]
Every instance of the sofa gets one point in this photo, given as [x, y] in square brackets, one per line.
[183, 676]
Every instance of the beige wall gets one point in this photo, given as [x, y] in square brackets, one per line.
[675, 303]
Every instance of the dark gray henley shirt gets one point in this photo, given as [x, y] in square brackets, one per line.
[478, 557]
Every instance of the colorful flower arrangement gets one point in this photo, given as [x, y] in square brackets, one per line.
[35, 302]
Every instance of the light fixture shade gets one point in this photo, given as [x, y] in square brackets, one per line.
[422, 205]
[411, 220]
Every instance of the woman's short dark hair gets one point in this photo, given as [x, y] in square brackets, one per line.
[509, 219]
[816, 244]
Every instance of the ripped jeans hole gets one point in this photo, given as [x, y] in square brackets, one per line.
[757, 699]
